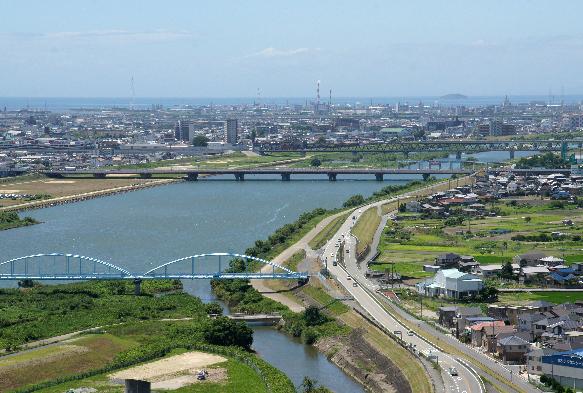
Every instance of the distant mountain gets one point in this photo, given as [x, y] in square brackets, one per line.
[455, 96]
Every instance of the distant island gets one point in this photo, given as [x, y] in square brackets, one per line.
[455, 96]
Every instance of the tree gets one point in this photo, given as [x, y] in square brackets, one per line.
[418, 134]
[527, 219]
[200, 140]
[213, 308]
[225, 331]
[313, 316]
[354, 201]
[507, 272]
[315, 162]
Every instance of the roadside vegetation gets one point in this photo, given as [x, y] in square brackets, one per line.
[365, 229]
[329, 230]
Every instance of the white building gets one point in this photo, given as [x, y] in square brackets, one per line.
[451, 283]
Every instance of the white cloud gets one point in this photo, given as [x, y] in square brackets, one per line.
[273, 52]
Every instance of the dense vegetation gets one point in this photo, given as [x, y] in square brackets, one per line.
[39, 312]
[242, 297]
[10, 220]
[547, 160]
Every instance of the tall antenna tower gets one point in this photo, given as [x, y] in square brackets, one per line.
[318, 96]
[258, 97]
[330, 100]
[133, 92]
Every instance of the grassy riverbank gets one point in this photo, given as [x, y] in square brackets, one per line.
[9, 220]
[131, 329]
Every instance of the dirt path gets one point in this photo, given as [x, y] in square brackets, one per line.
[302, 244]
[168, 368]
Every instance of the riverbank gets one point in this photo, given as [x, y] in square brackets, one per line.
[72, 190]
[351, 354]
[10, 220]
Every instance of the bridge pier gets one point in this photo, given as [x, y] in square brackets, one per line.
[332, 176]
[239, 176]
[136, 386]
[378, 176]
[99, 175]
[458, 155]
[191, 176]
[137, 286]
[285, 176]
[512, 154]
[145, 175]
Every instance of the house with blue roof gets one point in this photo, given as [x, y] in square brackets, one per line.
[566, 367]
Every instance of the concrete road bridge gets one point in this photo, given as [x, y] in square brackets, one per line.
[239, 174]
[73, 267]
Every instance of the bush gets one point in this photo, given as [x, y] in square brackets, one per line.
[353, 201]
[309, 336]
[225, 331]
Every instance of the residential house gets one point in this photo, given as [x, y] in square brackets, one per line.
[529, 259]
[451, 283]
[512, 349]
[448, 260]
[477, 331]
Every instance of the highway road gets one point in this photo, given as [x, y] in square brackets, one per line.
[465, 382]
[362, 290]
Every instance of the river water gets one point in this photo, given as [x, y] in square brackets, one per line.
[143, 229]
[140, 230]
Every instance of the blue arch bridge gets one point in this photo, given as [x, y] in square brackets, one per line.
[71, 267]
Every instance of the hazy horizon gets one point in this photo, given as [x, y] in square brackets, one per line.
[358, 49]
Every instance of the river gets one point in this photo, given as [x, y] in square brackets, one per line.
[143, 229]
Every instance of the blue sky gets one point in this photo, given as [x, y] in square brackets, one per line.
[230, 49]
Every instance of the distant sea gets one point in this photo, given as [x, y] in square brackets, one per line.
[72, 103]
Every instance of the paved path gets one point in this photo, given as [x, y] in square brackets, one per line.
[302, 244]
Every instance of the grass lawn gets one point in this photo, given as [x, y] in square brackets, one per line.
[329, 230]
[86, 353]
[240, 379]
[333, 306]
[365, 228]
[553, 297]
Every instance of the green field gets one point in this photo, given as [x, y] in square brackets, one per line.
[70, 358]
[415, 241]
[240, 379]
[552, 297]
